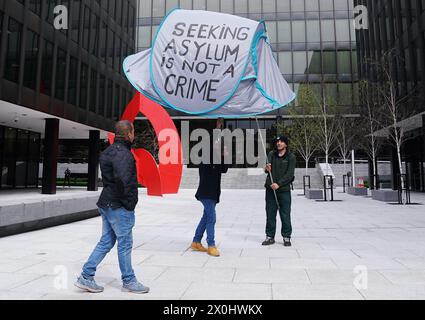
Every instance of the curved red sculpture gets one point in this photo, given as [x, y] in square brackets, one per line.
[163, 178]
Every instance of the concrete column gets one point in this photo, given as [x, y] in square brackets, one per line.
[94, 149]
[50, 156]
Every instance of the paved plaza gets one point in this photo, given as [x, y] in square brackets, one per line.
[354, 249]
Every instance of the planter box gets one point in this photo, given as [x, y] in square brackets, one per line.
[385, 195]
[354, 191]
[314, 194]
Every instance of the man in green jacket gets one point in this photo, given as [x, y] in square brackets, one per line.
[281, 165]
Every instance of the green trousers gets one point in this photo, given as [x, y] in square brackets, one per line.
[284, 199]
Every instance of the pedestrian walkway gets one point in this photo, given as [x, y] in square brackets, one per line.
[355, 249]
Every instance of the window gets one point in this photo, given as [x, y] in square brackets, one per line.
[186, 4]
[300, 62]
[213, 5]
[120, 56]
[285, 62]
[297, 6]
[123, 100]
[329, 62]
[312, 5]
[1, 27]
[75, 23]
[200, 4]
[241, 6]
[118, 11]
[344, 62]
[283, 6]
[102, 91]
[31, 58]
[46, 68]
[103, 37]
[125, 16]
[345, 94]
[117, 53]
[111, 37]
[13, 54]
[86, 28]
[328, 30]
[110, 101]
[144, 37]
[326, 5]
[269, 6]
[60, 74]
[298, 31]
[171, 4]
[117, 112]
[313, 31]
[284, 31]
[49, 11]
[35, 6]
[271, 31]
[314, 62]
[254, 6]
[94, 35]
[145, 8]
[226, 6]
[341, 5]
[342, 30]
[158, 8]
[84, 79]
[72, 82]
[93, 90]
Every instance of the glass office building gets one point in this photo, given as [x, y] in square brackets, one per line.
[70, 76]
[399, 25]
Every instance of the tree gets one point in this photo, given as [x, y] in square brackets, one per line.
[394, 106]
[371, 112]
[325, 110]
[304, 127]
[346, 136]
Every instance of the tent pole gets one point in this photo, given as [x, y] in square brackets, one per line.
[265, 153]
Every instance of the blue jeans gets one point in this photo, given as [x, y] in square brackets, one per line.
[207, 222]
[117, 225]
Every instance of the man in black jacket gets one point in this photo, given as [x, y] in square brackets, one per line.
[208, 194]
[281, 166]
[116, 206]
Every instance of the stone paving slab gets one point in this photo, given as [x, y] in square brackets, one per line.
[330, 240]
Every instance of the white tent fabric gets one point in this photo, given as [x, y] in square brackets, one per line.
[210, 64]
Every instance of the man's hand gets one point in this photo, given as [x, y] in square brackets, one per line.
[268, 167]
[275, 186]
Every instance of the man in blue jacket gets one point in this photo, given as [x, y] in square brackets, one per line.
[116, 206]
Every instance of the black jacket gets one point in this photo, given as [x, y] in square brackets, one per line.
[119, 177]
[210, 181]
[283, 170]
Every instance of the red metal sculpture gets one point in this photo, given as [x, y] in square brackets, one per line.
[163, 178]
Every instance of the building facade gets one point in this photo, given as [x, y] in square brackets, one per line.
[67, 81]
[399, 26]
[313, 43]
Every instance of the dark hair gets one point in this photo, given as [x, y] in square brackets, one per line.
[123, 128]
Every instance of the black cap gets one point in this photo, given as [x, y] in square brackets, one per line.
[282, 138]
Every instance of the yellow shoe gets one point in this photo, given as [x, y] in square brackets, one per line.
[212, 251]
[197, 246]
